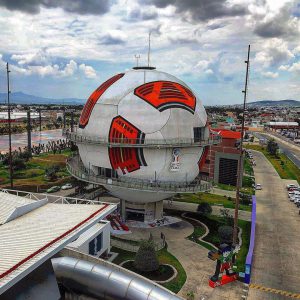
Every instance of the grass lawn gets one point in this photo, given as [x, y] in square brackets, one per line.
[164, 257]
[212, 199]
[213, 223]
[226, 187]
[282, 164]
[34, 173]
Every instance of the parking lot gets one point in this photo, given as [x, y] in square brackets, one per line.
[276, 254]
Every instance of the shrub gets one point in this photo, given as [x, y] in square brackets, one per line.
[225, 234]
[146, 259]
[204, 208]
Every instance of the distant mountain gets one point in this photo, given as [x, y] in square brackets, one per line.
[275, 103]
[21, 98]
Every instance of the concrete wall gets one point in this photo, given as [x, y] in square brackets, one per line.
[90, 235]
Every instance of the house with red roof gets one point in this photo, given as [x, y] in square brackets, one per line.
[221, 163]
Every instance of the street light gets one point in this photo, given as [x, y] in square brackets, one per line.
[240, 161]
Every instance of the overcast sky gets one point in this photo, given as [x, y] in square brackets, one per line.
[66, 48]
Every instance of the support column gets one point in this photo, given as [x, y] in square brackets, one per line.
[123, 209]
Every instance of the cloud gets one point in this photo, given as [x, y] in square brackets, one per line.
[295, 67]
[278, 25]
[202, 10]
[113, 37]
[88, 71]
[36, 58]
[270, 74]
[65, 70]
[93, 7]
[275, 52]
[138, 14]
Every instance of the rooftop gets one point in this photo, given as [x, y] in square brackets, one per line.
[227, 134]
[30, 239]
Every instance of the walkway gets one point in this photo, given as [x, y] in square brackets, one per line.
[192, 207]
[276, 253]
[193, 258]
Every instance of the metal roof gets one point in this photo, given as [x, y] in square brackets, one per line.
[31, 239]
[12, 206]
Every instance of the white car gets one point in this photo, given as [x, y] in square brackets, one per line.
[258, 186]
[291, 186]
[67, 186]
[290, 194]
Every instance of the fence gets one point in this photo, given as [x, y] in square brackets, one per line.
[249, 257]
[128, 142]
[78, 170]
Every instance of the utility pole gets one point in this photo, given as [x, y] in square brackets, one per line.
[29, 132]
[40, 119]
[240, 161]
[9, 129]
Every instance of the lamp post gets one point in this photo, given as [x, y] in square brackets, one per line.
[9, 129]
[240, 161]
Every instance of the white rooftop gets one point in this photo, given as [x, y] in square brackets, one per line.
[11, 206]
[30, 239]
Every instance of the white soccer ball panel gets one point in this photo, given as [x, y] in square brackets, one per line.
[141, 114]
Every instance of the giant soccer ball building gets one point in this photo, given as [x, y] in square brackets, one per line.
[142, 134]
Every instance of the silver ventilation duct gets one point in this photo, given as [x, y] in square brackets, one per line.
[104, 282]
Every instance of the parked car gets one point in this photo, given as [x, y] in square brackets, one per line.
[258, 186]
[291, 185]
[53, 189]
[290, 194]
[66, 186]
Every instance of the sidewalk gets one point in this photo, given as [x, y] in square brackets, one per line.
[216, 210]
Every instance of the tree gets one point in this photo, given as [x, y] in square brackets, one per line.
[272, 147]
[204, 208]
[227, 217]
[146, 258]
[225, 234]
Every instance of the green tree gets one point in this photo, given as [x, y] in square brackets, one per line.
[146, 259]
[204, 208]
[227, 217]
[272, 147]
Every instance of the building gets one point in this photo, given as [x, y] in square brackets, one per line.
[33, 230]
[141, 135]
[48, 239]
[221, 163]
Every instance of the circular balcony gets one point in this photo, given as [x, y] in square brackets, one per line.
[77, 169]
[77, 137]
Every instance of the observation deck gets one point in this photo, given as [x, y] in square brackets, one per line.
[78, 170]
[124, 142]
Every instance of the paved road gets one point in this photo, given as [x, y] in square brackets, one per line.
[277, 248]
[291, 151]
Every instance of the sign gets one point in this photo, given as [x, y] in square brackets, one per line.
[175, 165]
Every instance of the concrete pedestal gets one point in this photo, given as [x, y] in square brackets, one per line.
[147, 212]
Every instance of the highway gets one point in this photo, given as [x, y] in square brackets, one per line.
[292, 153]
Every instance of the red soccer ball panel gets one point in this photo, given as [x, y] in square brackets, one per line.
[167, 94]
[87, 110]
[129, 159]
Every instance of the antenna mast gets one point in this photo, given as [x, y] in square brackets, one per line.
[137, 57]
[240, 167]
[149, 49]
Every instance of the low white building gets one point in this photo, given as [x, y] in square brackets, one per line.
[33, 229]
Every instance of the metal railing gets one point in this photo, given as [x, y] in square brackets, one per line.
[78, 137]
[51, 198]
[78, 170]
